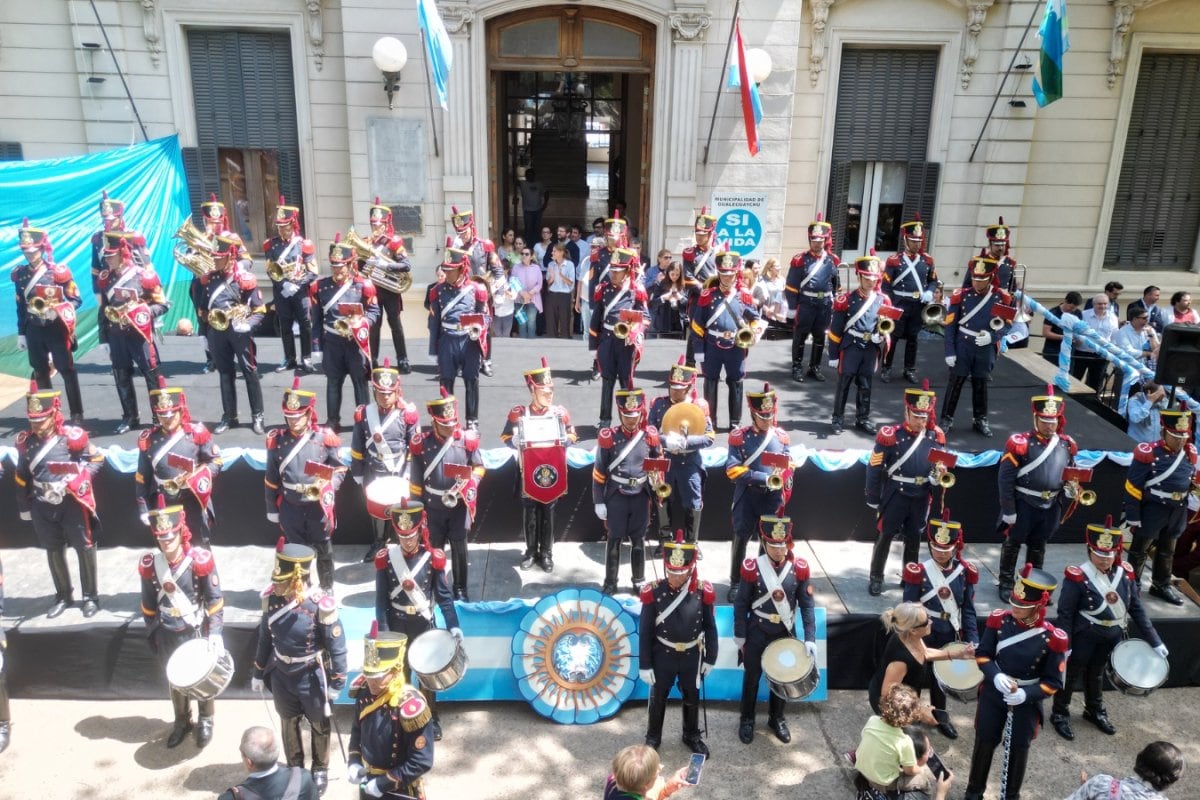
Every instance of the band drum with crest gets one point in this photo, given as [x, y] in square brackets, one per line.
[1135, 669]
[959, 678]
[438, 659]
[543, 456]
[385, 492]
[791, 673]
[199, 670]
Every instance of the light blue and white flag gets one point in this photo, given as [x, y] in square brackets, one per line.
[437, 47]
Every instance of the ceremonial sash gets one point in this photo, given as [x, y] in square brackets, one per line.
[189, 612]
[912, 448]
[419, 600]
[621, 456]
[295, 451]
[814, 270]
[437, 458]
[162, 452]
[1106, 586]
[1037, 462]
[911, 270]
[1157, 479]
[669, 610]
[43, 452]
[938, 581]
[772, 581]
[971, 314]
[374, 425]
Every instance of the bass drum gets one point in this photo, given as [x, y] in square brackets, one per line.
[438, 659]
[198, 670]
[959, 678]
[791, 673]
[1134, 668]
[383, 493]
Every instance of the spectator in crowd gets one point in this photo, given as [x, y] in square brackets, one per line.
[653, 271]
[260, 757]
[597, 237]
[1052, 333]
[1112, 290]
[560, 278]
[1088, 364]
[768, 292]
[886, 756]
[534, 198]
[529, 296]
[1139, 337]
[504, 297]
[506, 247]
[515, 256]
[635, 776]
[1145, 401]
[905, 655]
[562, 236]
[1149, 304]
[1159, 765]
[669, 302]
[541, 249]
[1182, 312]
[635, 244]
[576, 249]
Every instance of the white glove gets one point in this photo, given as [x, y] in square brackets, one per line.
[216, 642]
[833, 363]
[699, 359]
[515, 440]
[145, 518]
[873, 506]
[457, 634]
[1009, 519]
[676, 442]
[256, 685]
[317, 355]
[877, 338]
[372, 788]
[104, 349]
[287, 289]
[1003, 683]
[52, 315]
[21, 343]
[355, 773]
[1162, 650]
[983, 339]
[927, 296]
[811, 647]
[647, 676]
[951, 361]
[705, 668]
[602, 511]
[358, 479]
[739, 642]
[1015, 698]
[272, 517]
[241, 327]
[26, 516]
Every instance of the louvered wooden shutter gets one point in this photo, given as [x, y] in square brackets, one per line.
[884, 101]
[11, 151]
[203, 178]
[920, 194]
[837, 213]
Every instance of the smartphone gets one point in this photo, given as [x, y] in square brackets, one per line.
[936, 766]
[694, 766]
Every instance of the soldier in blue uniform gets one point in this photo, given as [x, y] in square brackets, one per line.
[1099, 599]
[997, 249]
[621, 486]
[379, 443]
[972, 343]
[47, 299]
[112, 217]
[181, 601]
[908, 279]
[484, 267]
[301, 657]
[724, 324]
[617, 357]
[1022, 658]
[445, 474]
[811, 283]
[5, 713]
[56, 466]
[391, 743]
[773, 591]
[177, 437]
[216, 222]
[857, 343]
[945, 584]
[900, 480]
[537, 518]
[599, 265]
[233, 292]
[302, 477]
[678, 640]
[698, 261]
[1031, 486]
[459, 350]
[410, 579]
[392, 261]
[1156, 494]
[687, 474]
[343, 341]
[292, 267]
[758, 490]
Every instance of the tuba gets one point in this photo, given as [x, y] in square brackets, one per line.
[376, 265]
[193, 251]
[221, 318]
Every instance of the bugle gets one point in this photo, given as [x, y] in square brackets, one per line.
[312, 491]
[656, 470]
[343, 328]
[888, 317]
[38, 306]
[744, 338]
[1002, 315]
[777, 463]
[220, 319]
[474, 331]
[1073, 480]
[943, 461]
[885, 326]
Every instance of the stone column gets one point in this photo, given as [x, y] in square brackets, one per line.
[457, 126]
[686, 115]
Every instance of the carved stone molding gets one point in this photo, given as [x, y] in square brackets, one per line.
[457, 17]
[689, 26]
[1123, 11]
[976, 14]
[316, 31]
[152, 30]
[820, 19]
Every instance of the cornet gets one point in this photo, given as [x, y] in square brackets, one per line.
[219, 319]
[453, 495]
[622, 330]
[662, 491]
[312, 491]
[174, 486]
[474, 331]
[945, 478]
[38, 306]
[885, 326]
[343, 328]
[1073, 491]
[744, 338]
[775, 480]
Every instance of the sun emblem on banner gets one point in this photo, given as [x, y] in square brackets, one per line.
[574, 658]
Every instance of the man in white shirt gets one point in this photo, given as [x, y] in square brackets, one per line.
[1089, 366]
[1138, 337]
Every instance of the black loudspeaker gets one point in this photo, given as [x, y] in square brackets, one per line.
[1179, 356]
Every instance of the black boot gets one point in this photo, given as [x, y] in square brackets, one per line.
[691, 729]
[953, 390]
[1098, 716]
[912, 551]
[379, 531]
[606, 402]
[735, 403]
[814, 366]
[840, 395]
[737, 553]
[333, 404]
[1062, 724]
[128, 398]
[981, 766]
[1160, 579]
[711, 388]
[1017, 761]
[61, 575]
[204, 723]
[293, 744]
[324, 552]
[74, 396]
[229, 403]
[458, 561]
[1008, 567]
[471, 388]
[637, 563]
[320, 754]
[979, 406]
[862, 407]
[183, 718]
[87, 581]
[1035, 553]
[529, 528]
[545, 532]
[654, 722]
[879, 557]
[1137, 556]
[255, 396]
[612, 564]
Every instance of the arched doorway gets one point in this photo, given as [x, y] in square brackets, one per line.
[570, 91]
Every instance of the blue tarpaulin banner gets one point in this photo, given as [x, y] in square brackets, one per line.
[62, 196]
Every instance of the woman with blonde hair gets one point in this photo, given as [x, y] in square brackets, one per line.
[905, 654]
[635, 776]
[768, 291]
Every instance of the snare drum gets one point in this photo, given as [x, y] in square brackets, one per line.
[383, 493]
[959, 678]
[1134, 668]
[198, 670]
[791, 673]
[438, 659]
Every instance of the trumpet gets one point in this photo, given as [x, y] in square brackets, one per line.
[997, 323]
[775, 480]
[622, 330]
[312, 491]
[1073, 491]
[885, 326]
[193, 251]
[174, 486]
[943, 477]
[221, 318]
[744, 338]
[662, 491]
[474, 332]
[453, 495]
[933, 313]
[343, 328]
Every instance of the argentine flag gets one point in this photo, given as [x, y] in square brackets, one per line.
[437, 47]
[1056, 41]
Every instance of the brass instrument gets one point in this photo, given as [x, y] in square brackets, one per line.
[662, 491]
[176, 485]
[275, 271]
[377, 272]
[453, 495]
[933, 313]
[343, 328]
[220, 319]
[997, 323]
[745, 337]
[946, 480]
[885, 326]
[474, 332]
[622, 330]
[193, 251]
[1073, 491]
[115, 314]
[312, 491]
[38, 306]
[56, 493]
[775, 480]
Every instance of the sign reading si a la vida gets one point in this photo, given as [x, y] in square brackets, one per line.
[741, 217]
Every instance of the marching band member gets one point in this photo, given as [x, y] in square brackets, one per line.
[379, 445]
[1098, 600]
[900, 481]
[298, 634]
[394, 264]
[543, 480]
[233, 310]
[47, 299]
[445, 474]
[972, 343]
[619, 306]
[131, 298]
[181, 601]
[687, 475]
[458, 326]
[620, 486]
[773, 590]
[1022, 658]
[484, 264]
[725, 325]
[343, 310]
[56, 467]
[945, 584]
[908, 279]
[292, 267]
[857, 342]
[410, 579]
[1031, 486]
[112, 215]
[599, 266]
[216, 222]
[1160, 478]
[998, 238]
[302, 477]
[678, 641]
[391, 746]
[812, 281]
[698, 261]
[759, 488]
[177, 463]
